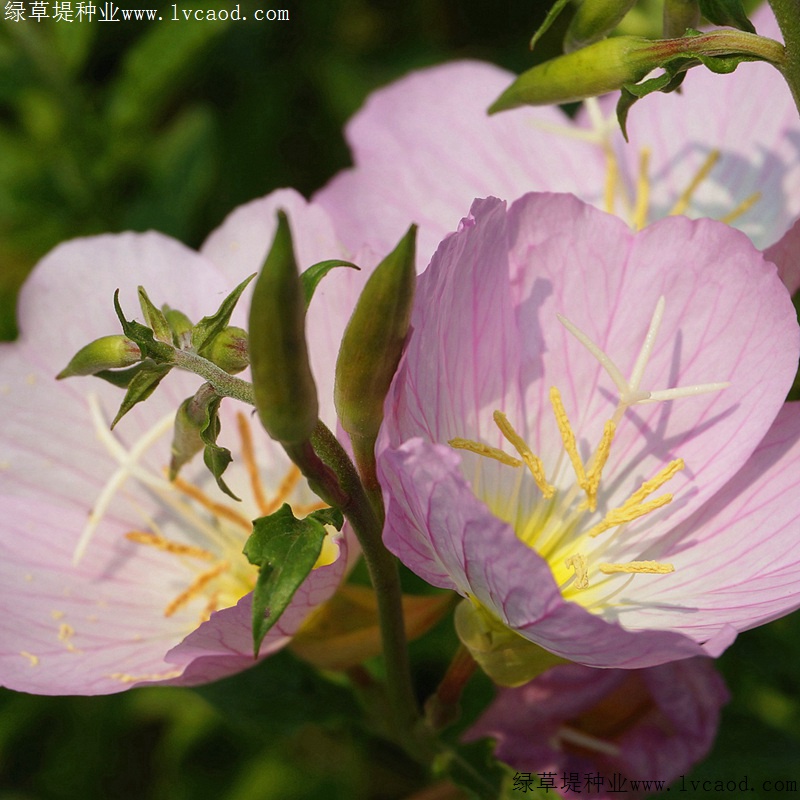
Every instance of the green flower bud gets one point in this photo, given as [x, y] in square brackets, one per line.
[228, 350]
[107, 352]
[180, 325]
[191, 419]
[373, 343]
[593, 20]
[679, 16]
[284, 389]
[599, 68]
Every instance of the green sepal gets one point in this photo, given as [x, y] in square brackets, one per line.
[208, 327]
[216, 458]
[160, 352]
[283, 387]
[154, 317]
[285, 549]
[141, 386]
[727, 12]
[311, 277]
[551, 17]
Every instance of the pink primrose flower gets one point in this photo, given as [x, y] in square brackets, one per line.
[587, 434]
[724, 147]
[110, 575]
[607, 732]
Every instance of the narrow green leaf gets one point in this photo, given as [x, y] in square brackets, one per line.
[285, 549]
[551, 17]
[216, 458]
[121, 378]
[316, 272]
[154, 318]
[209, 327]
[141, 386]
[727, 12]
[160, 352]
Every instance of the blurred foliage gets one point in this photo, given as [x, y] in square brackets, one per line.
[172, 125]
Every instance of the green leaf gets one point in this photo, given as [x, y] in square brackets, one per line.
[216, 458]
[154, 318]
[141, 386]
[316, 272]
[285, 549]
[160, 352]
[551, 17]
[209, 327]
[121, 378]
[727, 12]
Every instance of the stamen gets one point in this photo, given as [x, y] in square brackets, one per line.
[197, 586]
[533, 462]
[287, 484]
[485, 450]
[577, 562]
[684, 391]
[642, 192]
[249, 459]
[686, 197]
[648, 344]
[742, 208]
[567, 436]
[573, 736]
[637, 567]
[217, 509]
[623, 514]
[160, 543]
[612, 180]
[656, 482]
[598, 462]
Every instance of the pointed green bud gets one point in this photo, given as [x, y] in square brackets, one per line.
[373, 341]
[180, 325]
[228, 350]
[680, 16]
[593, 70]
[593, 20]
[190, 420]
[284, 388]
[107, 352]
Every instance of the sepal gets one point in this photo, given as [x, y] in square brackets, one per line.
[311, 277]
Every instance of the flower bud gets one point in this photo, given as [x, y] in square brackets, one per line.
[107, 352]
[180, 325]
[593, 20]
[284, 389]
[228, 350]
[373, 343]
[191, 419]
[679, 16]
[599, 68]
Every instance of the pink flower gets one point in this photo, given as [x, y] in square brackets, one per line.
[603, 731]
[673, 458]
[158, 590]
[724, 147]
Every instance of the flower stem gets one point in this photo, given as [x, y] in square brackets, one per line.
[225, 384]
[788, 15]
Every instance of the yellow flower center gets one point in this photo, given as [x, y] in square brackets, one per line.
[564, 523]
[204, 533]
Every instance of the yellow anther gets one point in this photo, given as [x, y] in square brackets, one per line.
[484, 450]
[567, 436]
[742, 208]
[656, 482]
[250, 463]
[217, 509]
[642, 206]
[628, 513]
[34, 660]
[612, 180]
[196, 587]
[531, 461]
[683, 201]
[577, 562]
[597, 464]
[160, 543]
[637, 567]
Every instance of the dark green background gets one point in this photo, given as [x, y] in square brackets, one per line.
[107, 127]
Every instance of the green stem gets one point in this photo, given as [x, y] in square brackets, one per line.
[225, 384]
[787, 12]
